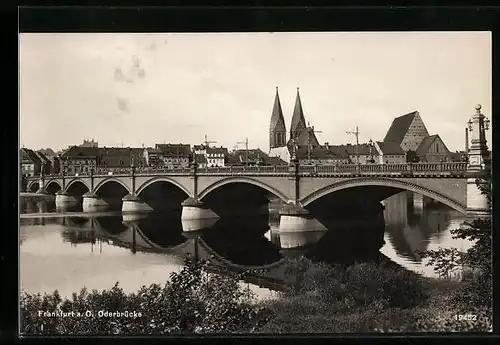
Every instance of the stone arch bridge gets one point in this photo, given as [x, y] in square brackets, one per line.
[294, 184]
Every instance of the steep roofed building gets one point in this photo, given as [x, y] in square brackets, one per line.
[433, 149]
[407, 131]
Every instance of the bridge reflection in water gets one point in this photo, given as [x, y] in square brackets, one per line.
[241, 243]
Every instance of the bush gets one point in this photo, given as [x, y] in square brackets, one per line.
[357, 285]
[193, 301]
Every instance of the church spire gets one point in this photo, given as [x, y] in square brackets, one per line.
[298, 121]
[277, 129]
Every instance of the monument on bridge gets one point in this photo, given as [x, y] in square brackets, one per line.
[478, 167]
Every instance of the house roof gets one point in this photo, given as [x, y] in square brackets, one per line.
[426, 143]
[29, 155]
[240, 156]
[121, 156]
[298, 123]
[42, 157]
[390, 148]
[152, 150]
[277, 120]
[321, 152]
[174, 149]
[399, 127]
[363, 149]
[217, 150]
[80, 151]
[275, 161]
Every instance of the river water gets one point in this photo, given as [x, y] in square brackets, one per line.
[70, 251]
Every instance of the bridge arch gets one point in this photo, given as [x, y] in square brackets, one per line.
[161, 179]
[241, 179]
[33, 186]
[52, 186]
[76, 180]
[383, 182]
[111, 179]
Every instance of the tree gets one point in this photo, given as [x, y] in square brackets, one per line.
[477, 290]
[412, 157]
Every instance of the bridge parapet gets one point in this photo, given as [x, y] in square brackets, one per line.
[438, 169]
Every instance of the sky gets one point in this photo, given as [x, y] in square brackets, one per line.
[124, 89]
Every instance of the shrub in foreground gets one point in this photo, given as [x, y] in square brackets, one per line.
[192, 301]
[357, 285]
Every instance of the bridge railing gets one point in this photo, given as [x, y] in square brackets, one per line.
[455, 167]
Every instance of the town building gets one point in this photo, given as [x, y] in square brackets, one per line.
[121, 157]
[367, 153]
[30, 162]
[407, 131]
[458, 156]
[216, 156]
[79, 159]
[174, 155]
[252, 157]
[325, 154]
[45, 162]
[200, 160]
[389, 153]
[433, 149]
[152, 157]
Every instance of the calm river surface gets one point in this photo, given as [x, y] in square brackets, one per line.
[70, 251]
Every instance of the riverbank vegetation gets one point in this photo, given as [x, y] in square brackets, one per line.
[364, 297]
[327, 299]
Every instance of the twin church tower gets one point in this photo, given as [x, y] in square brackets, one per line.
[302, 134]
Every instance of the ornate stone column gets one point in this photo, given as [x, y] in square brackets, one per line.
[478, 167]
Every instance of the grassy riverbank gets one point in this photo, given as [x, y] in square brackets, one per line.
[361, 298]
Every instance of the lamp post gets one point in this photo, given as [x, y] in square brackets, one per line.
[478, 124]
[370, 142]
[356, 133]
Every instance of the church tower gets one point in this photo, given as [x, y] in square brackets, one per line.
[298, 124]
[277, 129]
[277, 132]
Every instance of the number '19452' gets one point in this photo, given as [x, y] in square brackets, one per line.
[465, 317]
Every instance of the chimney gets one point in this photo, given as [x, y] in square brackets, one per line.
[466, 140]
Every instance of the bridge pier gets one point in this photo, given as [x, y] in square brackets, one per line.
[94, 203]
[132, 203]
[477, 202]
[298, 228]
[420, 202]
[189, 225]
[64, 200]
[195, 209]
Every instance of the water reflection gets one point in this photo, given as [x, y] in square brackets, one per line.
[69, 252]
[409, 231]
